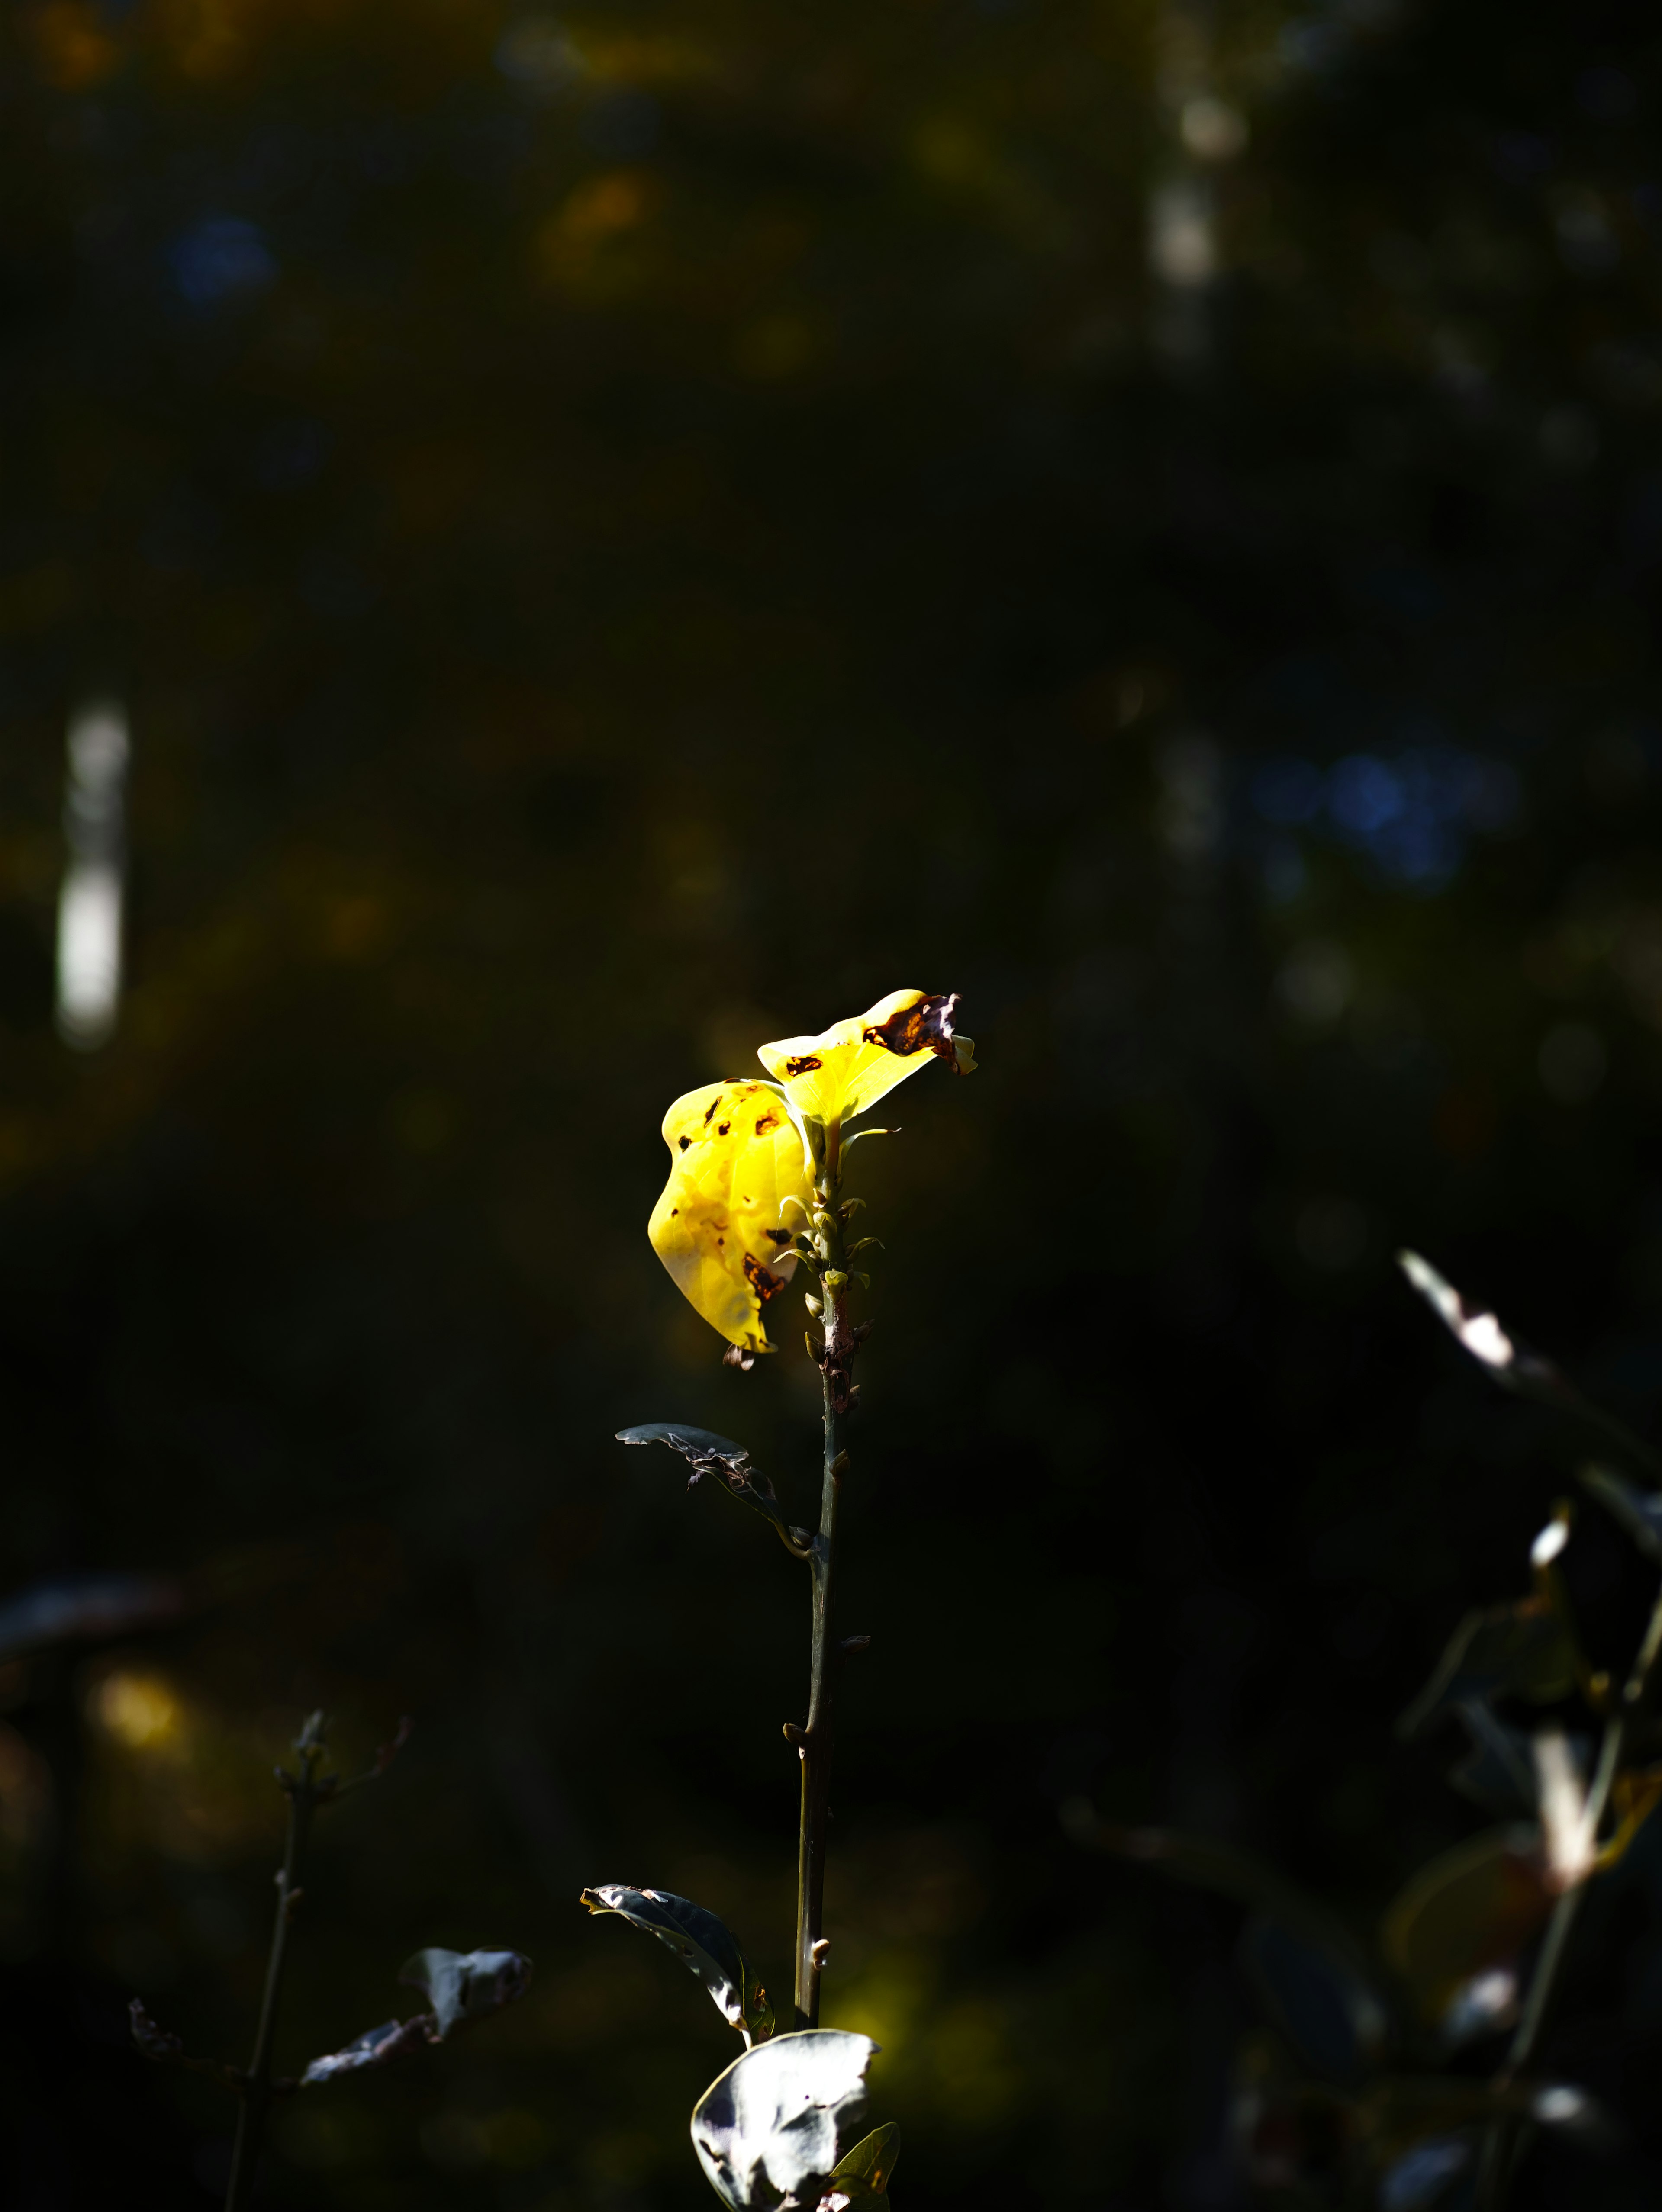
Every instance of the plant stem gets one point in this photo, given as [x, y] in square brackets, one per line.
[1508, 2138]
[818, 1737]
[303, 1800]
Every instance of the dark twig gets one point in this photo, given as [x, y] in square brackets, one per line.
[385, 1754]
[305, 1792]
[836, 1366]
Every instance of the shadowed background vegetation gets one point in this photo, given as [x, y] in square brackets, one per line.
[625, 534]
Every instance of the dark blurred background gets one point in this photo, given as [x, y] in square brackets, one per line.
[540, 550]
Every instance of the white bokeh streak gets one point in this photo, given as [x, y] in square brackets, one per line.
[89, 949]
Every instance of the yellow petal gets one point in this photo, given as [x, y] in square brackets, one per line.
[838, 1074]
[736, 1156]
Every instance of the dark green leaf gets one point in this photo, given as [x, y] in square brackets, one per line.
[773, 2125]
[872, 2161]
[729, 1463]
[467, 1984]
[1326, 2010]
[1522, 1650]
[1640, 1511]
[702, 1942]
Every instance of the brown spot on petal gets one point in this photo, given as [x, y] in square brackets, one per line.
[765, 1284]
[779, 1235]
[806, 1065]
[709, 1110]
[767, 1122]
[925, 1027]
[684, 1142]
[722, 1129]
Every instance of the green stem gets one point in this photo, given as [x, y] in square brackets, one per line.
[303, 1801]
[818, 1738]
[1507, 2139]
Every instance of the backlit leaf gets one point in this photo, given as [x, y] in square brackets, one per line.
[703, 1944]
[736, 1160]
[872, 2162]
[772, 2127]
[1472, 1907]
[847, 1068]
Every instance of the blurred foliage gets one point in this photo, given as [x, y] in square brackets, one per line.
[626, 532]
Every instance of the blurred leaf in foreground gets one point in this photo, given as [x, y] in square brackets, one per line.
[467, 1984]
[1472, 1907]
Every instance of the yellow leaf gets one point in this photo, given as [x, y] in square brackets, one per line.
[736, 1156]
[849, 1066]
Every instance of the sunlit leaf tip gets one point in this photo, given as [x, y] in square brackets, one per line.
[847, 1068]
[704, 1945]
[1480, 1333]
[770, 2130]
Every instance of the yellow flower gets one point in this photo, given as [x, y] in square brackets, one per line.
[736, 1156]
[739, 1154]
[839, 1073]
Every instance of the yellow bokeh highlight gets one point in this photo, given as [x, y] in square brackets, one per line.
[139, 1710]
[600, 212]
[73, 49]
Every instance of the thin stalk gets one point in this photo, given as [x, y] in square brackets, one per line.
[257, 2093]
[818, 1737]
[1508, 2138]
